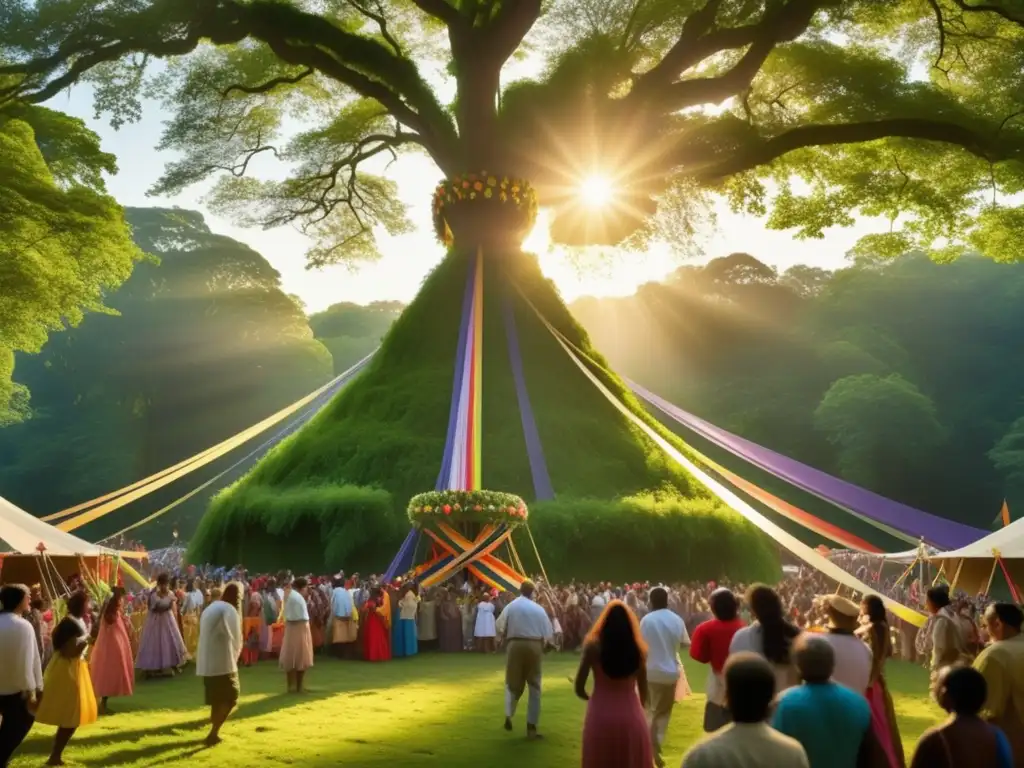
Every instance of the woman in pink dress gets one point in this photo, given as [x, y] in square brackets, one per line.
[615, 732]
[111, 663]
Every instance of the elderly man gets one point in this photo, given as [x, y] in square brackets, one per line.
[748, 741]
[852, 655]
[831, 721]
[220, 643]
[1002, 666]
[526, 630]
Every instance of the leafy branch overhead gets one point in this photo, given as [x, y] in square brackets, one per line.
[810, 111]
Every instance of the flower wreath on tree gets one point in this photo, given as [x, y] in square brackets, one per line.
[467, 506]
[475, 189]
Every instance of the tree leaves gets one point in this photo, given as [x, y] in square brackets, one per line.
[61, 249]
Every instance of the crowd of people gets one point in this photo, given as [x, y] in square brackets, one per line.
[796, 672]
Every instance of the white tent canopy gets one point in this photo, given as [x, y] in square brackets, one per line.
[973, 567]
[23, 533]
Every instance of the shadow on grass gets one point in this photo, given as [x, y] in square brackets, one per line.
[279, 703]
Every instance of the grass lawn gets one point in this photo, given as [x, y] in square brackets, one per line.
[432, 710]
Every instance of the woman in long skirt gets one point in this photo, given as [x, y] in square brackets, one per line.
[374, 628]
[110, 664]
[68, 699]
[883, 715]
[162, 648]
[484, 627]
[297, 645]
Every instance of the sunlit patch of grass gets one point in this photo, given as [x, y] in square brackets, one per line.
[427, 711]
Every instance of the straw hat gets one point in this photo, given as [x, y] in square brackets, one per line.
[842, 605]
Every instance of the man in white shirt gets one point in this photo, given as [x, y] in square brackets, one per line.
[220, 643]
[853, 656]
[664, 632]
[526, 630]
[21, 673]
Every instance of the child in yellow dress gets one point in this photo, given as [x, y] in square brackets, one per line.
[68, 699]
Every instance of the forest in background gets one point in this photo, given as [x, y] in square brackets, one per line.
[203, 343]
[902, 376]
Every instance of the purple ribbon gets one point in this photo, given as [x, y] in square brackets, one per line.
[403, 559]
[946, 534]
[542, 489]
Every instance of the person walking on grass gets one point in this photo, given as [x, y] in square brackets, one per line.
[297, 646]
[21, 674]
[68, 701]
[220, 643]
[830, 720]
[710, 646]
[748, 741]
[527, 630]
[616, 733]
[664, 632]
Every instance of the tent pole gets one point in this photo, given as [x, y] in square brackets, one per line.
[992, 573]
[956, 576]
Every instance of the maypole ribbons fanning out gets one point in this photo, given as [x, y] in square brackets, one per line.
[903, 521]
[137, 490]
[787, 540]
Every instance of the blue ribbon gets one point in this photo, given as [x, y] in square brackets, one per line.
[542, 488]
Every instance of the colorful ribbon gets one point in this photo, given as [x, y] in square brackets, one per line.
[542, 488]
[895, 518]
[780, 536]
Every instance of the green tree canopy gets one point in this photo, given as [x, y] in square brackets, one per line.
[881, 425]
[63, 243]
[204, 344]
[812, 111]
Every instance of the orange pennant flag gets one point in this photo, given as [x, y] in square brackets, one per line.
[1005, 513]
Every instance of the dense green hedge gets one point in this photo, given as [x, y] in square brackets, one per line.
[310, 529]
[646, 538]
[387, 430]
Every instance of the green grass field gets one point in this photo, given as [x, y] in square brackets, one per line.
[432, 710]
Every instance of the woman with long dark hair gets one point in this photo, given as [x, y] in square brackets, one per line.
[615, 732]
[770, 635]
[883, 716]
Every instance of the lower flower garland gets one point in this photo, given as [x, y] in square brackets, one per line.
[467, 506]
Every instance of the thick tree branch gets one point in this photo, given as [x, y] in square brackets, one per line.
[754, 155]
[441, 10]
[504, 34]
[782, 22]
[177, 27]
[270, 84]
[995, 8]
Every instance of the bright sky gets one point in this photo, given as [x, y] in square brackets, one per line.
[408, 258]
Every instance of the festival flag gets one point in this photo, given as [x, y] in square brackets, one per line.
[1003, 516]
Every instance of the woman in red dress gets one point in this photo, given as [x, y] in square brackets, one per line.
[615, 731]
[376, 630]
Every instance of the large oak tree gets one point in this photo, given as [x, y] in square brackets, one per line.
[812, 111]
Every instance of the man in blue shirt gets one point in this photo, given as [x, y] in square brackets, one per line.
[832, 722]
